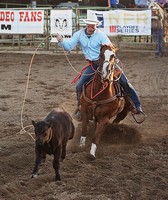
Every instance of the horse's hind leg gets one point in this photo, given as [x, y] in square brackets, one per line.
[120, 116]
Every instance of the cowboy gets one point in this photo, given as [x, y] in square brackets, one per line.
[90, 40]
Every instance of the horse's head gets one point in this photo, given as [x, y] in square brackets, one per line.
[43, 132]
[107, 61]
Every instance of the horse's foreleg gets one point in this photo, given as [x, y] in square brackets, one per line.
[82, 141]
[84, 131]
[100, 129]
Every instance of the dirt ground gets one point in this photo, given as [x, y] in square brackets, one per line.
[132, 159]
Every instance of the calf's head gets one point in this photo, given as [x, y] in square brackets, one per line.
[43, 132]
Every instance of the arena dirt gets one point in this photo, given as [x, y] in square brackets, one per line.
[132, 159]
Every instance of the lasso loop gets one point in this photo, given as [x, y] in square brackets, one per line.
[23, 130]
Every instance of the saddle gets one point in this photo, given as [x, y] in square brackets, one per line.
[121, 94]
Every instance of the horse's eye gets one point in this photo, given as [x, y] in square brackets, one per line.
[111, 57]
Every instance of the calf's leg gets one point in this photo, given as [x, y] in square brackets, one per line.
[56, 163]
[37, 163]
[63, 154]
[43, 157]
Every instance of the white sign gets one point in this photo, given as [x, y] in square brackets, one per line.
[61, 23]
[21, 21]
[124, 22]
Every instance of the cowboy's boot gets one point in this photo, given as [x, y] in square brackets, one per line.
[77, 113]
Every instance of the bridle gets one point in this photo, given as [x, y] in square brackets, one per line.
[108, 66]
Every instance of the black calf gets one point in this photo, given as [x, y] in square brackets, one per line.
[52, 136]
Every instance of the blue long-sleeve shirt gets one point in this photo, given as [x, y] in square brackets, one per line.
[90, 45]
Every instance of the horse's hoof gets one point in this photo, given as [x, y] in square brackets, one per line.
[81, 145]
[91, 157]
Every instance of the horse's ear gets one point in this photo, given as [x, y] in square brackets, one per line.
[117, 49]
[114, 48]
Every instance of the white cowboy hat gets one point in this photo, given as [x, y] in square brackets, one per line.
[91, 19]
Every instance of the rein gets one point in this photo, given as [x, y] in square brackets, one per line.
[101, 101]
[104, 101]
[117, 67]
[81, 72]
[105, 85]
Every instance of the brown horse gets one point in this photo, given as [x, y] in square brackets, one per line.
[103, 98]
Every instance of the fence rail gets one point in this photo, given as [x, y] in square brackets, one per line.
[30, 42]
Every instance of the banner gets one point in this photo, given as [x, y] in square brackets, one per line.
[61, 23]
[21, 21]
[124, 22]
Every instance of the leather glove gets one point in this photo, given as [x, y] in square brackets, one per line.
[59, 37]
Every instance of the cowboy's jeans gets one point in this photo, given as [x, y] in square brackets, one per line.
[119, 5]
[130, 91]
[85, 77]
[158, 39]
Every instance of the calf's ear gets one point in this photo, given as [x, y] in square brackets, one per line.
[34, 123]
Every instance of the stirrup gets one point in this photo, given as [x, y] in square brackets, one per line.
[76, 110]
[137, 111]
[137, 114]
